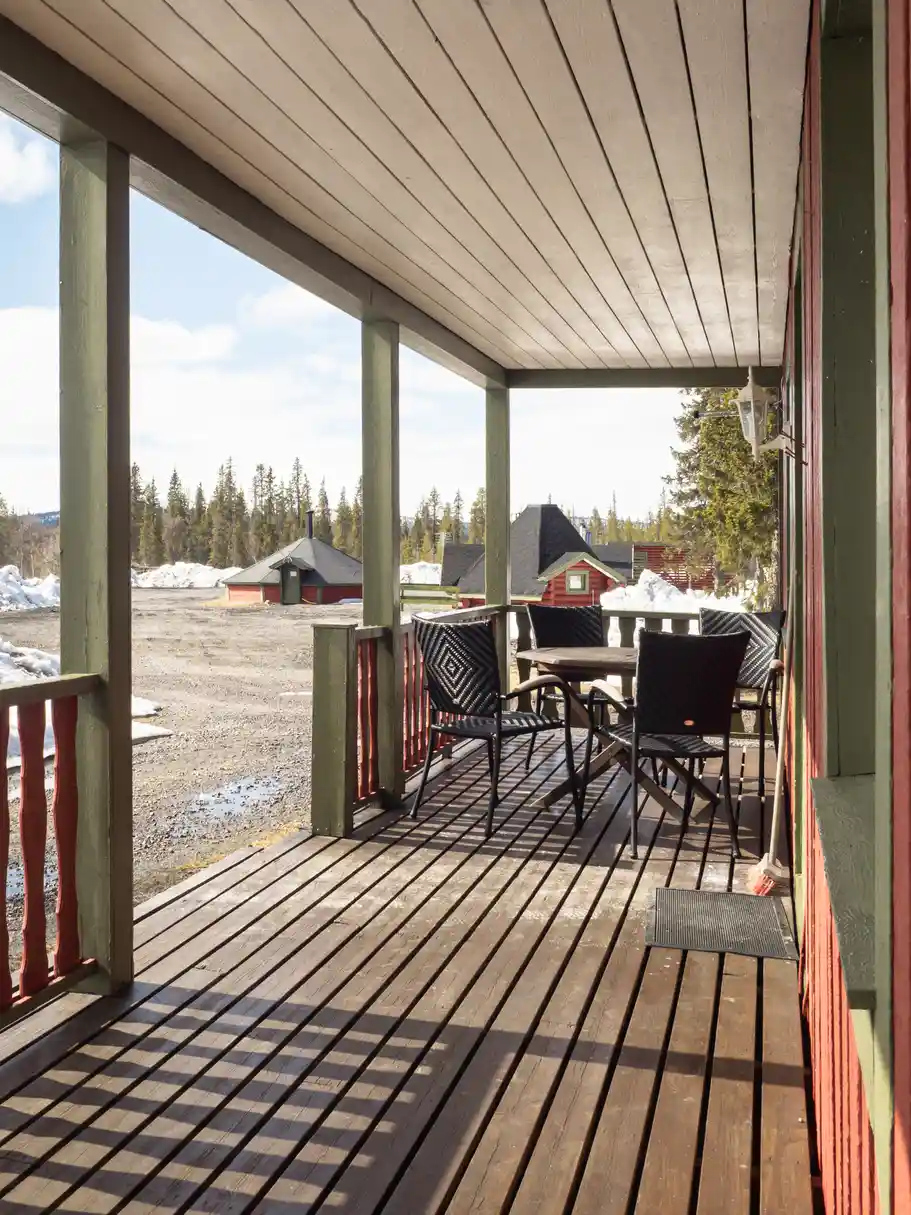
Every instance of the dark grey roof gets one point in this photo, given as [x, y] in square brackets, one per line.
[617, 553]
[458, 560]
[537, 538]
[318, 562]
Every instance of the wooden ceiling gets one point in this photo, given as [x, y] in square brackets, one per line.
[562, 183]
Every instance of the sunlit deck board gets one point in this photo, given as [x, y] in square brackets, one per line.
[420, 1020]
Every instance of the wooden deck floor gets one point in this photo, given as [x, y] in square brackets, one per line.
[419, 1020]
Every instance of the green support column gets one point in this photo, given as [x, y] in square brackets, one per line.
[382, 524]
[496, 535]
[95, 534]
[334, 747]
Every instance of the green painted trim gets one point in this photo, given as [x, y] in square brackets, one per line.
[382, 537]
[334, 738]
[641, 377]
[46, 91]
[95, 535]
[844, 817]
[496, 535]
[882, 1105]
[848, 462]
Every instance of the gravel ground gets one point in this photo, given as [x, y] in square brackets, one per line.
[237, 767]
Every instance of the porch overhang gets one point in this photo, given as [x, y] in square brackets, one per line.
[567, 194]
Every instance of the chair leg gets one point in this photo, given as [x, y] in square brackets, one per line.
[490, 758]
[539, 701]
[656, 776]
[728, 800]
[493, 801]
[688, 797]
[428, 759]
[761, 715]
[634, 805]
[578, 798]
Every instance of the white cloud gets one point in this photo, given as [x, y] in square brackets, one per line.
[286, 307]
[26, 167]
[202, 394]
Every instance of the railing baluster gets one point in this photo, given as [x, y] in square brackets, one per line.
[363, 730]
[33, 974]
[65, 810]
[6, 982]
[373, 718]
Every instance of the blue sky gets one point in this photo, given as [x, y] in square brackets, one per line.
[231, 360]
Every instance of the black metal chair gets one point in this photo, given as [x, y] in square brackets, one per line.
[570, 627]
[761, 665]
[462, 678]
[684, 689]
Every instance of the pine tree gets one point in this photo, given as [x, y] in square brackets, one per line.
[265, 529]
[199, 529]
[596, 527]
[724, 503]
[220, 519]
[613, 523]
[477, 519]
[176, 529]
[239, 552]
[406, 552]
[137, 511]
[296, 491]
[322, 528]
[357, 521]
[458, 521]
[427, 553]
[445, 536]
[433, 516]
[343, 523]
[151, 547]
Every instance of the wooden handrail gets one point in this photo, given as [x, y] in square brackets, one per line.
[37, 691]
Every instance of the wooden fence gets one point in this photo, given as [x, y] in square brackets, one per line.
[40, 978]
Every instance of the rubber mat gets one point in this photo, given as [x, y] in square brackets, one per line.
[710, 921]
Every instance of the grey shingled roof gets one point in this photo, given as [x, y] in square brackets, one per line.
[616, 553]
[540, 536]
[458, 560]
[319, 563]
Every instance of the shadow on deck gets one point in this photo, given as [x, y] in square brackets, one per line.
[418, 1020]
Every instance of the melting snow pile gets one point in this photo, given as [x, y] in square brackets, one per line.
[18, 594]
[20, 664]
[183, 575]
[653, 594]
[422, 573]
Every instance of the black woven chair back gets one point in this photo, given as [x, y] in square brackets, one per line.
[461, 669]
[685, 684]
[764, 629]
[566, 626]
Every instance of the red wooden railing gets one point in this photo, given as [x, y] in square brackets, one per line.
[367, 719]
[37, 978]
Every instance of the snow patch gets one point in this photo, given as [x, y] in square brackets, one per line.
[18, 594]
[652, 593]
[424, 573]
[21, 664]
[183, 575]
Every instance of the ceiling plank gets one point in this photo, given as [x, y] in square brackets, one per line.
[468, 40]
[401, 129]
[66, 97]
[651, 43]
[527, 37]
[776, 43]
[421, 58]
[589, 37]
[715, 44]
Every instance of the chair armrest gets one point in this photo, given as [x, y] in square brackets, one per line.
[608, 691]
[532, 685]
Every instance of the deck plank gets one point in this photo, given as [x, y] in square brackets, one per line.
[420, 1019]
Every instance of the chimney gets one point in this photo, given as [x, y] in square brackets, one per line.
[309, 524]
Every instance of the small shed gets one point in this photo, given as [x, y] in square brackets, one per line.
[307, 571]
[550, 563]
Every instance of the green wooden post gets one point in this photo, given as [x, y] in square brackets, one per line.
[496, 535]
[334, 739]
[382, 526]
[523, 669]
[848, 410]
[627, 639]
[95, 534]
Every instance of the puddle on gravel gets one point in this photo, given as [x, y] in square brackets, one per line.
[235, 798]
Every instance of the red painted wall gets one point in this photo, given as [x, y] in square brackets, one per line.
[557, 594]
[245, 594]
[843, 1126]
[899, 31]
[331, 594]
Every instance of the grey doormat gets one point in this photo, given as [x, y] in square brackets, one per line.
[721, 922]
